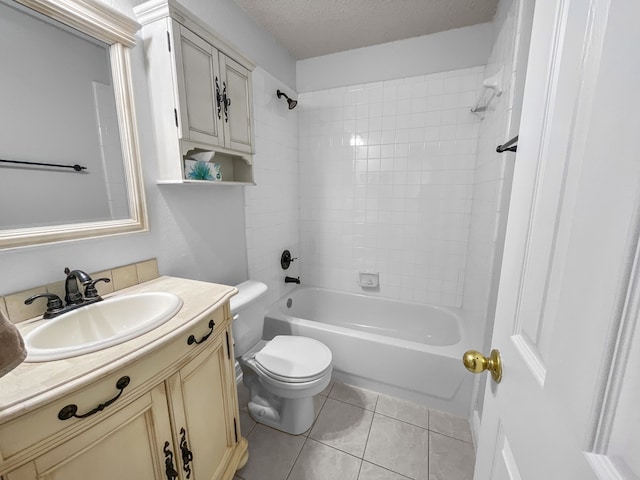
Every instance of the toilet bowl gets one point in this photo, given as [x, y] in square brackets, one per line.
[282, 374]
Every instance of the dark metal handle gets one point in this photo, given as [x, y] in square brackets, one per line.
[192, 339]
[187, 456]
[90, 290]
[226, 101]
[169, 469]
[54, 303]
[218, 99]
[71, 410]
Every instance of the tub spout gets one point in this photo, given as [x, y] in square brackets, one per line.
[291, 280]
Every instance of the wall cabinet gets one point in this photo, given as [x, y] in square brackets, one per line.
[179, 421]
[213, 94]
[200, 92]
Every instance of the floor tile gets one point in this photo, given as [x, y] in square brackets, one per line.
[246, 423]
[369, 471]
[320, 462]
[343, 426]
[399, 447]
[271, 454]
[318, 403]
[404, 410]
[449, 458]
[450, 425]
[354, 395]
[326, 391]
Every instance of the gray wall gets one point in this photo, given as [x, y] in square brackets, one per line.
[196, 232]
[440, 52]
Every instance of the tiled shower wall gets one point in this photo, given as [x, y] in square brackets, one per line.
[494, 174]
[386, 184]
[271, 207]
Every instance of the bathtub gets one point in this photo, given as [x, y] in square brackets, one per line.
[407, 350]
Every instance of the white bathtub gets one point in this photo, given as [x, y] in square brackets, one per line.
[407, 350]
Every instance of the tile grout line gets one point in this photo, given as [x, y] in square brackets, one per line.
[388, 469]
[333, 448]
[366, 443]
[306, 437]
[429, 443]
[420, 426]
[296, 460]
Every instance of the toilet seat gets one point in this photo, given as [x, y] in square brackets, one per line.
[292, 359]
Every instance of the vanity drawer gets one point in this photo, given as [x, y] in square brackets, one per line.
[39, 430]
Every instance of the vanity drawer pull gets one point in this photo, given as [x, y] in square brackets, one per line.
[192, 339]
[71, 410]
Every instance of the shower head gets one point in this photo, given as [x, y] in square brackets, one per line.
[292, 103]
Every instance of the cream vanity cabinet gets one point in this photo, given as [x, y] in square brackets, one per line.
[200, 92]
[176, 419]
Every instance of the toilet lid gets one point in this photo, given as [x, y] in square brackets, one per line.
[290, 356]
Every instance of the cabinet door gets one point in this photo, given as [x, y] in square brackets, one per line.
[130, 443]
[204, 416]
[199, 83]
[237, 112]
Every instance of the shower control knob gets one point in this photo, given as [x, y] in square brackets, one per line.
[476, 362]
[286, 259]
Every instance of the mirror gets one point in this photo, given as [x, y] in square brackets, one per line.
[67, 102]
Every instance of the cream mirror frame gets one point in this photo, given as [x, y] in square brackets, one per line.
[118, 32]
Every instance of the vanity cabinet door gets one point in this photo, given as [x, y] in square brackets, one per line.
[204, 412]
[132, 443]
[236, 85]
[199, 84]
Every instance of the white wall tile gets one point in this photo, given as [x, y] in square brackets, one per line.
[395, 209]
[272, 206]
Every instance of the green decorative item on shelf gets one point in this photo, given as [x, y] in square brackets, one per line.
[200, 171]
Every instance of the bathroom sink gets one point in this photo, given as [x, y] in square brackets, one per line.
[100, 325]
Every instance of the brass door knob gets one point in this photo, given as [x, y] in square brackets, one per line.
[475, 362]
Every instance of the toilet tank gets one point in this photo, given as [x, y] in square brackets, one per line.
[248, 308]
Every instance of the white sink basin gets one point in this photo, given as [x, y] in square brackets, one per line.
[100, 325]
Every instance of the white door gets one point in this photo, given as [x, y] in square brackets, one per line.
[569, 297]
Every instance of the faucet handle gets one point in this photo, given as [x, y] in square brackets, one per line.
[54, 303]
[90, 290]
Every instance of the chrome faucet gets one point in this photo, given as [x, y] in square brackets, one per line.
[73, 296]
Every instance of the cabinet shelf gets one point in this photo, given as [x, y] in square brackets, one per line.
[205, 182]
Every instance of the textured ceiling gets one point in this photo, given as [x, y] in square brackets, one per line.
[310, 28]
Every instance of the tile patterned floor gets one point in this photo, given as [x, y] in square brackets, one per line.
[361, 435]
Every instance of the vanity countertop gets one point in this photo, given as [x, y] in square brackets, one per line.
[31, 385]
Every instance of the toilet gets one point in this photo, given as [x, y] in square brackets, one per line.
[282, 374]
